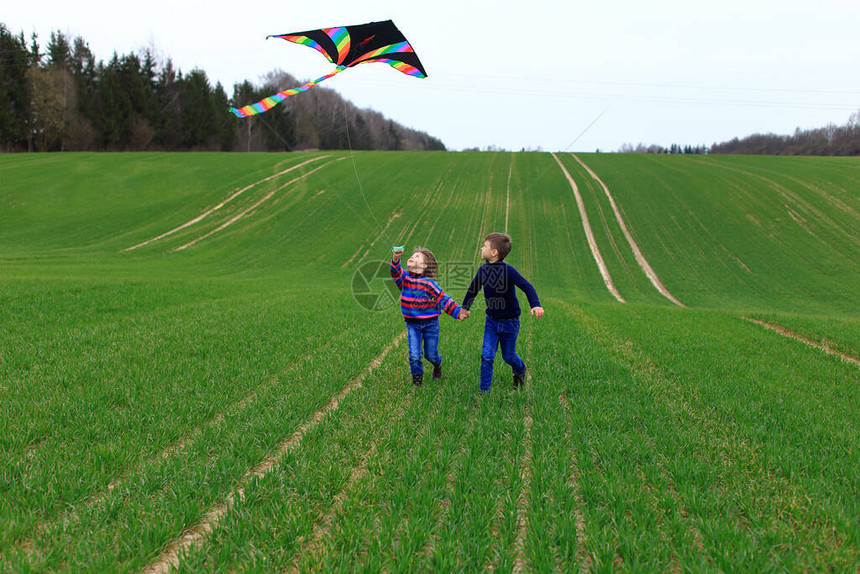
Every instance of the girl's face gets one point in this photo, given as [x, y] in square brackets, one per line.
[416, 263]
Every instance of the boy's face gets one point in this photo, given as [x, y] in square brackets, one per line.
[416, 263]
[488, 253]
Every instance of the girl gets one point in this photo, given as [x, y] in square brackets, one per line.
[421, 302]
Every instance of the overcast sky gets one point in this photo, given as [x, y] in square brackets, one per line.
[520, 73]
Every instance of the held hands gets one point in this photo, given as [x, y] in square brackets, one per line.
[537, 312]
[463, 315]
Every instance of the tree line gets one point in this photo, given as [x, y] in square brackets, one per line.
[831, 140]
[673, 149]
[63, 99]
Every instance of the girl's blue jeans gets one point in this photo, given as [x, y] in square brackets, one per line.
[500, 333]
[426, 333]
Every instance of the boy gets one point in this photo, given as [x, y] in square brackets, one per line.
[503, 310]
[421, 299]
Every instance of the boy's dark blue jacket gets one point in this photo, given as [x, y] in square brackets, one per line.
[498, 280]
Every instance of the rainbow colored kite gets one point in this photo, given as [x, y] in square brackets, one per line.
[347, 46]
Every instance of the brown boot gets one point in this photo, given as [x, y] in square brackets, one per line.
[417, 379]
[437, 372]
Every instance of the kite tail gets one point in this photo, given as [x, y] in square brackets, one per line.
[267, 104]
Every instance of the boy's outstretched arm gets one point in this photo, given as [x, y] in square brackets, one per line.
[529, 290]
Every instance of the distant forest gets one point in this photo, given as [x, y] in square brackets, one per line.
[831, 140]
[63, 99]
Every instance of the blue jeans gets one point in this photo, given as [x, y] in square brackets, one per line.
[500, 332]
[428, 333]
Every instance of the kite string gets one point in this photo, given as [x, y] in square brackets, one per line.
[534, 180]
[588, 127]
[355, 169]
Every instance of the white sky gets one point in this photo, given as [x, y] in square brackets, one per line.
[520, 73]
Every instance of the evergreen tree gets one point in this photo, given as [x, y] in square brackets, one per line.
[114, 116]
[169, 111]
[14, 91]
[59, 51]
[198, 112]
[83, 65]
[225, 121]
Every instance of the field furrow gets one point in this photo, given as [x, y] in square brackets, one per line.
[245, 212]
[196, 535]
[823, 346]
[649, 271]
[209, 212]
[595, 251]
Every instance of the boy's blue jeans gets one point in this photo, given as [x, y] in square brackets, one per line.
[426, 332]
[500, 333]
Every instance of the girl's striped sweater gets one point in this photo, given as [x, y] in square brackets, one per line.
[421, 298]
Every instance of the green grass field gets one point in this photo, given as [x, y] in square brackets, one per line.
[190, 377]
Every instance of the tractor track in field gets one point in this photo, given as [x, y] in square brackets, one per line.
[441, 212]
[656, 506]
[196, 535]
[491, 563]
[422, 210]
[522, 511]
[818, 345]
[487, 200]
[508, 193]
[522, 503]
[398, 213]
[799, 203]
[520, 558]
[573, 481]
[733, 455]
[71, 516]
[245, 212]
[322, 528]
[420, 435]
[212, 210]
[589, 234]
[439, 186]
[388, 223]
[643, 263]
[450, 483]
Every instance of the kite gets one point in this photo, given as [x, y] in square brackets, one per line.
[346, 47]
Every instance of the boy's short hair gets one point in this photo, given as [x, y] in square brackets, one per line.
[501, 242]
[430, 259]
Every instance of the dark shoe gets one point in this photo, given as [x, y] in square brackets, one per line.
[417, 379]
[520, 380]
[437, 372]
